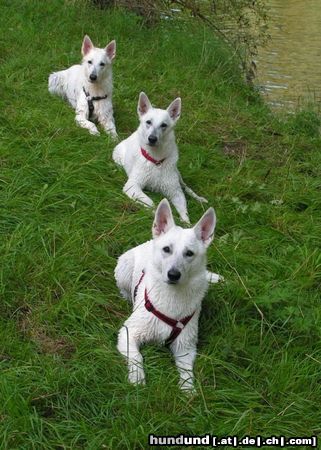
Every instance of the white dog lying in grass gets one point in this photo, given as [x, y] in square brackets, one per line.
[88, 87]
[166, 280]
[149, 157]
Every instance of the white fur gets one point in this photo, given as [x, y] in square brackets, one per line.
[69, 84]
[163, 178]
[175, 300]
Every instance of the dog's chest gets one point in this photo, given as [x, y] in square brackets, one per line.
[147, 325]
[96, 109]
[152, 176]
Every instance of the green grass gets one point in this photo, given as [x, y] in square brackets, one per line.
[64, 221]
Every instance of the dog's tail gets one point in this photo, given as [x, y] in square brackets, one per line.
[56, 84]
[189, 191]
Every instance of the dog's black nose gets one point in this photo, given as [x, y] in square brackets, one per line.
[93, 77]
[174, 275]
[152, 139]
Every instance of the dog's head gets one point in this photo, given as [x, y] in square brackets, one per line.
[97, 61]
[156, 123]
[179, 254]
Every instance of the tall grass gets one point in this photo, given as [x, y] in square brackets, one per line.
[64, 221]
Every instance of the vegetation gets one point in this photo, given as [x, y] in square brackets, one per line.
[242, 24]
[64, 221]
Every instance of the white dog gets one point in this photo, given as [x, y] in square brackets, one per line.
[166, 280]
[149, 157]
[88, 87]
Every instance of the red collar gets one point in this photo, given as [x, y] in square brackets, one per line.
[177, 325]
[150, 158]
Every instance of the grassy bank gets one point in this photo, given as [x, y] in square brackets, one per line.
[64, 220]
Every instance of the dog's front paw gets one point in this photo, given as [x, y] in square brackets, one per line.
[94, 131]
[187, 386]
[185, 219]
[214, 277]
[136, 375]
[147, 202]
[113, 135]
[202, 200]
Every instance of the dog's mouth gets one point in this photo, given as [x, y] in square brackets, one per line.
[172, 282]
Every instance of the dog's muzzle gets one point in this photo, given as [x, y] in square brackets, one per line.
[152, 139]
[173, 276]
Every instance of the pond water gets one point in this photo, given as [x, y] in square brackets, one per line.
[289, 67]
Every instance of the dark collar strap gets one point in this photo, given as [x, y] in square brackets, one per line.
[177, 325]
[91, 100]
[150, 158]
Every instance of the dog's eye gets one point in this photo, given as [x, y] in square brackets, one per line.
[90, 62]
[166, 249]
[102, 64]
[164, 125]
[189, 253]
[149, 122]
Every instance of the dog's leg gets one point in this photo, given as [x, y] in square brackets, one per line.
[109, 125]
[134, 191]
[213, 277]
[128, 347]
[184, 359]
[124, 274]
[119, 154]
[81, 115]
[84, 123]
[110, 129]
[179, 201]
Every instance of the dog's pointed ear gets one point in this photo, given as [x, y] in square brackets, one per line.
[87, 45]
[174, 109]
[143, 104]
[204, 229]
[163, 218]
[110, 49]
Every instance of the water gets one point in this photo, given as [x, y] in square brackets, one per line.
[289, 68]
